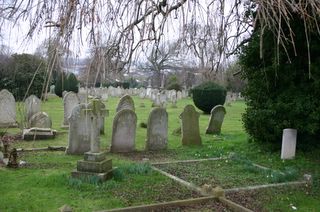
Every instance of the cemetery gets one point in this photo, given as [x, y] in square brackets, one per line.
[160, 105]
[105, 161]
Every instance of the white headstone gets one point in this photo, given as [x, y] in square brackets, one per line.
[124, 131]
[157, 131]
[7, 109]
[289, 142]
[70, 100]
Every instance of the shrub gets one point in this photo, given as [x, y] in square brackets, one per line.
[281, 93]
[60, 84]
[65, 82]
[173, 83]
[72, 83]
[20, 71]
[207, 95]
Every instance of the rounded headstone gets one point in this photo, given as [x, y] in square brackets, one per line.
[40, 120]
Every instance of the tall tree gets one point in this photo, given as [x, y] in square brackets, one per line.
[283, 80]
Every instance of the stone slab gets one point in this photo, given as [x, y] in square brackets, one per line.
[87, 175]
[38, 133]
[94, 157]
[94, 167]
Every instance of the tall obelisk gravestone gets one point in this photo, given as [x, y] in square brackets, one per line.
[95, 163]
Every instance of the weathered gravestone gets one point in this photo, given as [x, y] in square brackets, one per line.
[157, 101]
[81, 127]
[7, 109]
[32, 106]
[157, 132]
[40, 120]
[216, 119]
[95, 163]
[70, 100]
[190, 126]
[79, 131]
[126, 102]
[289, 142]
[102, 116]
[124, 131]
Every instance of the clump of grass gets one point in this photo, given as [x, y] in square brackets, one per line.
[118, 174]
[140, 169]
[143, 125]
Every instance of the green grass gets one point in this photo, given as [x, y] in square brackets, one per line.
[225, 173]
[45, 184]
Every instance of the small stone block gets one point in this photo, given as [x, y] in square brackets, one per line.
[65, 208]
[97, 167]
[95, 157]
[218, 192]
[86, 176]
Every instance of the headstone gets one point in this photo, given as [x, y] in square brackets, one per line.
[124, 131]
[7, 109]
[95, 163]
[83, 97]
[289, 142]
[52, 88]
[40, 120]
[216, 119]
[157, 101]
[64, 93]
[174, 100]
[190, 126]
[70, 100]
[79, 131]
[157, 132]
[32, 106]
[101, 117]
[126, 102]
[179, 95]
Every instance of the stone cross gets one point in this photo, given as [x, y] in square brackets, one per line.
[96, 111]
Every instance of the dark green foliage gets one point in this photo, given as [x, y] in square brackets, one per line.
[207, 95]
[21, 70]
[72, 83]
[282, 93]
[60, 84]
[66, 82]
[143, 125]
[173, 84]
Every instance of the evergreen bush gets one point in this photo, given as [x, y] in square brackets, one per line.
[207, 95]
[19, 72]
[66, 82]
[282, 90]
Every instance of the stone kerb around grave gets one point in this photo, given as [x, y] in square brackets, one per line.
[7, 109]
[124, 131]
[79, 131]
[70, 100]
[32, 106]
[190, 126]
[157, 131]
[216, 119]
[126, 102]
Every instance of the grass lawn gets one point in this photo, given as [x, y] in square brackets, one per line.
[44, 184]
